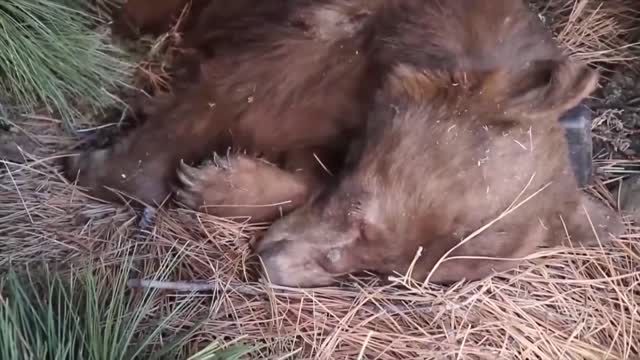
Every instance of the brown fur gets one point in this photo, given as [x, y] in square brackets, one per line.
[466, 125]
[463, 123]
[287, 78]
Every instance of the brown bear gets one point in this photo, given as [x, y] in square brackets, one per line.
[383, 126]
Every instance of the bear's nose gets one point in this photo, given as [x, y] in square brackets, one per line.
[273, 257]
[273, 271]
[270, 248]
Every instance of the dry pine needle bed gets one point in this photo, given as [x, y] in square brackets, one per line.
[562, 304]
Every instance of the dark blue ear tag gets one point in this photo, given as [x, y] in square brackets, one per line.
[577, 127]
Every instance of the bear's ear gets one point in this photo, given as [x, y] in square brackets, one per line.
[593, 223]
[541, 89]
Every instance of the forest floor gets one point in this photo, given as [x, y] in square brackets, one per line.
[564, 303]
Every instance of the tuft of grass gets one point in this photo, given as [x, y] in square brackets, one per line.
[53, 55]
[91, 315]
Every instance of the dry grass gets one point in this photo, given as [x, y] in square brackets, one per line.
[602, 33]
[564, 304]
